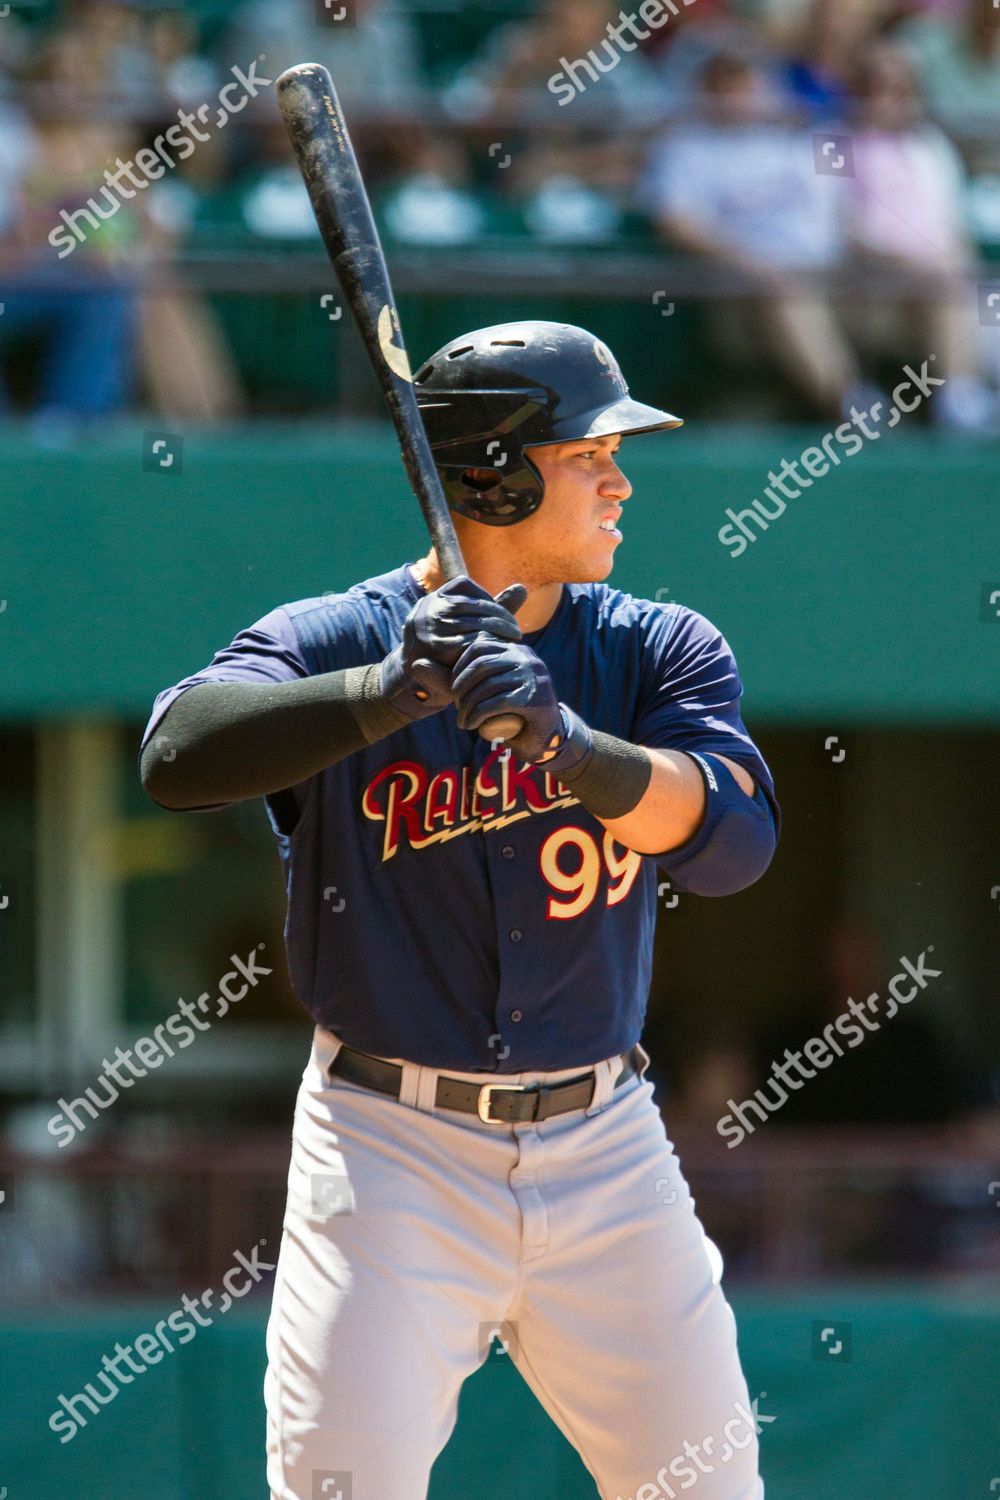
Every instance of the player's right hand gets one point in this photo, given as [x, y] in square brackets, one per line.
[441, 625]
[416, 675]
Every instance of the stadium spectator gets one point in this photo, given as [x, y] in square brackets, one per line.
[906, 216]
[98, 338]
[132, 62]
[558, 90]
[80, 309]
[681, 50]
[553, 60]
[957, 58]
[137, 67]
[822, 55]
[185, 74]
[116, 73]
[742, 193]
[372, 50]
[188, 370]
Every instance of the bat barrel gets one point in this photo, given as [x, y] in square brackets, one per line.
[322, 145]
[325, 154]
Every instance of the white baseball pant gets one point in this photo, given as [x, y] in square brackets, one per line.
[411, 1233]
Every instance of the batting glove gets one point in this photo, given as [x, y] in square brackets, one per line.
[415, 677]
[492, 678]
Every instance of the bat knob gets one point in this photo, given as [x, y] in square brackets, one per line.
[502, 727]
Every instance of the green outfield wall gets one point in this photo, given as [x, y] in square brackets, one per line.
[913, 1412]
[867, 598]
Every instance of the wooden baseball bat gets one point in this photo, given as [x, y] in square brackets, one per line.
[323, 149]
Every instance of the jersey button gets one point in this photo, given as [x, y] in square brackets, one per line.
[517, 1015]
[507, 851]
[515, 934]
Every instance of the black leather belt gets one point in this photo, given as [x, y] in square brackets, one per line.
[500, 1103]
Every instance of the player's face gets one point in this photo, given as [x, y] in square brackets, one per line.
[572, 536]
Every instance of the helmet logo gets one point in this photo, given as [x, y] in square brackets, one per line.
[612, 368]
[395, 357]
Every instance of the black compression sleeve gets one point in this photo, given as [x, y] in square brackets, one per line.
[612, 781]
[225, 741]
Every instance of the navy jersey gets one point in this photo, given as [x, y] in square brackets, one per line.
[449, 903]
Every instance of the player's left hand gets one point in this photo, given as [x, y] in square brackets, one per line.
[492, 677]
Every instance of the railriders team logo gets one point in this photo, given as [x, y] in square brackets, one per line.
[428, 809]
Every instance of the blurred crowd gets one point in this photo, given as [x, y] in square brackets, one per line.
[826, 173]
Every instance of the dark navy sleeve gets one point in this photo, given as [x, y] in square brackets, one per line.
[690, 693]
[268, 651]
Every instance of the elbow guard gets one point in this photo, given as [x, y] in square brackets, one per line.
[735, 842]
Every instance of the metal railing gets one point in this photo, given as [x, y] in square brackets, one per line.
[115, 1218]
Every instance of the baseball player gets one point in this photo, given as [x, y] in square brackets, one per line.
[476, 1147]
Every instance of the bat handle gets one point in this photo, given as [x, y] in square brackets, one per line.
[502, 727]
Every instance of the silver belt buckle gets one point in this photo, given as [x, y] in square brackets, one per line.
[491, 1088]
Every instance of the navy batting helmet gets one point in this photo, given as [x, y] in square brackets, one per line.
[488, 395]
